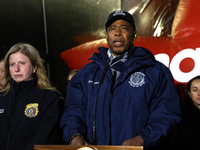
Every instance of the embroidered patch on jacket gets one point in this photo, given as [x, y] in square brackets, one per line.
[1, 111]
[137, 79]
[31, 110]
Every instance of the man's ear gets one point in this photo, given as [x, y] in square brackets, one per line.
[106, 36]
[135, 35]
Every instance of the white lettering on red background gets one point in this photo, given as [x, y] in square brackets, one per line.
[182, 73]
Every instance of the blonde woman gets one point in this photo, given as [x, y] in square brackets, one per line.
[29, 106]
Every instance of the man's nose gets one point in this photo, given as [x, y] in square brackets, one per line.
[118, 32]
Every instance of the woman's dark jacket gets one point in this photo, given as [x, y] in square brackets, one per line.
[187, 134]
[29, 116]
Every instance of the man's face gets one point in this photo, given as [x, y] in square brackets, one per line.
[120, 35]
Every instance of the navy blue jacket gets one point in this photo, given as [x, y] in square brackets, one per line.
[143, 101]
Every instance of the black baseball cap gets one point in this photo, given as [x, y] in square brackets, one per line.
[120, 14]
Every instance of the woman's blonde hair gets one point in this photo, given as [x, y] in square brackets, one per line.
[36, 61]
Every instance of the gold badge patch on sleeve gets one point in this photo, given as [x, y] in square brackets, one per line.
[31, 110]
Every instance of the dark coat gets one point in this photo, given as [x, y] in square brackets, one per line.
[187, 134]
[29, 116]
[143, 101]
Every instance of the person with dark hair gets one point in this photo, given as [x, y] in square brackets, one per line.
[187, 133]
[69, 77]
[124, 97]
[30, 108]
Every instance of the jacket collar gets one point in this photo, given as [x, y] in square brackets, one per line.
[23, 86]
[140, 57]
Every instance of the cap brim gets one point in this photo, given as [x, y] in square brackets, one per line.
[114, 19]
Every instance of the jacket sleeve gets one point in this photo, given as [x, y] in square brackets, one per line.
[48, 128]
[74, 113]
[165, 112]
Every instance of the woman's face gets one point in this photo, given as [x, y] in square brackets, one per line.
[20, 67]
[195, 92]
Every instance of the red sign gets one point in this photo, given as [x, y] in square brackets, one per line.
[180, 52]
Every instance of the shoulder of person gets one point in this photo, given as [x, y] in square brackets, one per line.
[3, 93]
[89, 68]
[49, 93]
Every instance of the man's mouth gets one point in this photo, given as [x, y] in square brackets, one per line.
[118, 43]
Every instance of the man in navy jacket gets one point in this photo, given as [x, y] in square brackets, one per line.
[135, 104]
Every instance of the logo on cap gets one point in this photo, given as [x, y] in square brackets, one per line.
[31, 110]
[119, 12]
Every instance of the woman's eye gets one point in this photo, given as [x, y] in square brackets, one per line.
[12, 65]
